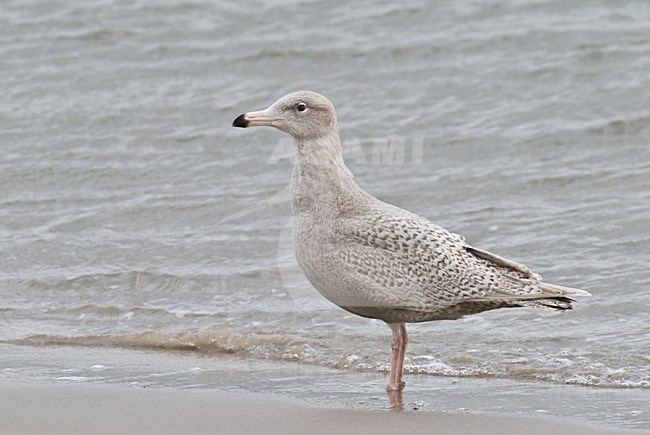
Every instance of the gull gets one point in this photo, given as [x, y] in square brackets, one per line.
[377, 260]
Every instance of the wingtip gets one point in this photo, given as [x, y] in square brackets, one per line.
[565, 291]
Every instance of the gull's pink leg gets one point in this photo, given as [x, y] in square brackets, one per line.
[404, 338]
[398, 347]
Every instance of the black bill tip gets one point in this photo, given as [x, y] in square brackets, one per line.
[240, 121]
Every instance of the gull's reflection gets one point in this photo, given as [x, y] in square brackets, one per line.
[396, 400]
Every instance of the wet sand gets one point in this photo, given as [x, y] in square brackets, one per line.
[103, 409]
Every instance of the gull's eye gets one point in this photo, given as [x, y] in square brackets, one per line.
[301, 107]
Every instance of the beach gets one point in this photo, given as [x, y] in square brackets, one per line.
[75, 389]
[101, 409]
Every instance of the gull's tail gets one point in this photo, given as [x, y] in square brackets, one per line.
[554, 297]
[551, 297]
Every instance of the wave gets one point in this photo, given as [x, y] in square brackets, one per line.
[557, 369]
[622, 126]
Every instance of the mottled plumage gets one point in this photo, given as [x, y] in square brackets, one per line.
[380, 261]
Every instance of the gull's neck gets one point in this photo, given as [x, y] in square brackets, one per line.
[321, 182]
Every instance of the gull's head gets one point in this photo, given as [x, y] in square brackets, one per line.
[302, 114]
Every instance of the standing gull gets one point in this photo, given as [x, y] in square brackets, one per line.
[377, 260]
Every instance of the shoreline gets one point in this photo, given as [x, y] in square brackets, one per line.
[30, 407]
